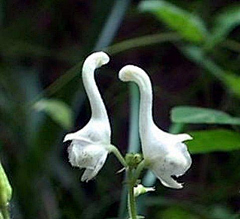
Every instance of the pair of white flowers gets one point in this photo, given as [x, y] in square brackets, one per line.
[164, 153]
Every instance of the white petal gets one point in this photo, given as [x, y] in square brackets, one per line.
[74, 136]
[183, 137]
[91, 173]
[95, 131]
[170, 182]
[92, 157]
[87, 175]
[85, 156]
[68, 137]
[173, 164]
[96, 60]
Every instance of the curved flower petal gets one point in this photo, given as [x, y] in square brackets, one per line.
[174, 163]
[89, 146]
[166, 154]
[89, 156]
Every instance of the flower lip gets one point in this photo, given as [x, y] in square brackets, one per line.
[171, 183]
[178, 178]
[168, 168]
[89, 156]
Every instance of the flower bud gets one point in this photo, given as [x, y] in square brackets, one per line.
[140, 189]
[5, 188]
[133, 159]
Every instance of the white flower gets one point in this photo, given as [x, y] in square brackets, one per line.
[165, 153]
[140, 189]
[90, 145]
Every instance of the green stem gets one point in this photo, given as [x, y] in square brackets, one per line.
[133, 145]
[139, 169]
[231, 44]
[58, 84]
[131, 198]
[142, 41]
[119, 156]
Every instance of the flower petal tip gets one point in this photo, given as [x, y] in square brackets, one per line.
[184, 137]
[102, 58]
[172, 183]
[97, 59]
[88, 174]
[67, 138]
[126, 72]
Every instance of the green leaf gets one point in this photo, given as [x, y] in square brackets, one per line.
[188, 25]
[233, 82]
[213, 141]
[59, 111]
[176, 212]
[229, 79]
[187, 114]
[224, 23]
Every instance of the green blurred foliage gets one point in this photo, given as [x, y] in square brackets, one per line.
[189, 26]
[57, 110]
[190, 50]
[198, 115]
[178, 213]
[214, 140]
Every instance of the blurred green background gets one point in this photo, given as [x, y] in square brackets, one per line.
[191, 51]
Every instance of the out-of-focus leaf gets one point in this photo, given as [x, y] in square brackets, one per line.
[213, 141]
[229, 79]
[59, 111]
[177, 213]
[222, 212]
[17, 49]
[188, 25]
[142, 42]
[233, 82]
[224, 23]
[187, 114]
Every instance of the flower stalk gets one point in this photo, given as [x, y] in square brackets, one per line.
[131, 198]
[133, 174]
[118, 155]
[139, 169]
